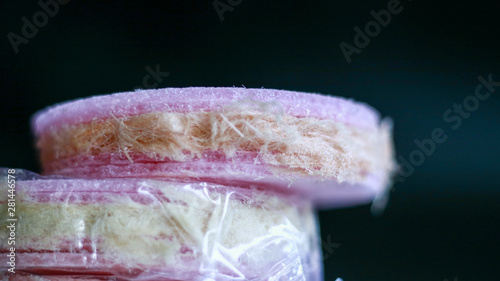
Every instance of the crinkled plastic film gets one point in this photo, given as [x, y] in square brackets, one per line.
[156, 229]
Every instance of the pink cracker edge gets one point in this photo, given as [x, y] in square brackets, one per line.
[297, 104]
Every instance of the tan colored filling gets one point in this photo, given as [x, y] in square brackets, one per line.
[303, 146]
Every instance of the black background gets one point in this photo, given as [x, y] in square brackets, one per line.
[441, 222]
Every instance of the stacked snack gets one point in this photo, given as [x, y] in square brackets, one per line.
[144, 229]
[331, 149]
[196, 183]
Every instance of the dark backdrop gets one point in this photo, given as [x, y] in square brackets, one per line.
[442, 219]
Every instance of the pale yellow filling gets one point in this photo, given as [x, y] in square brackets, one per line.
[299, 146]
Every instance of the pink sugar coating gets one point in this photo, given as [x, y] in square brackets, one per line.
[242, 172]
[148, 191]
[79, 266]
[297, 104]
[82, 266]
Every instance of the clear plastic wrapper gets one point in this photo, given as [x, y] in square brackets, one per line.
[154, 229]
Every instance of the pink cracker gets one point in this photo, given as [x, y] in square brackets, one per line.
[67, 262]
[239, 170]
[325, 193]
[195, 99]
